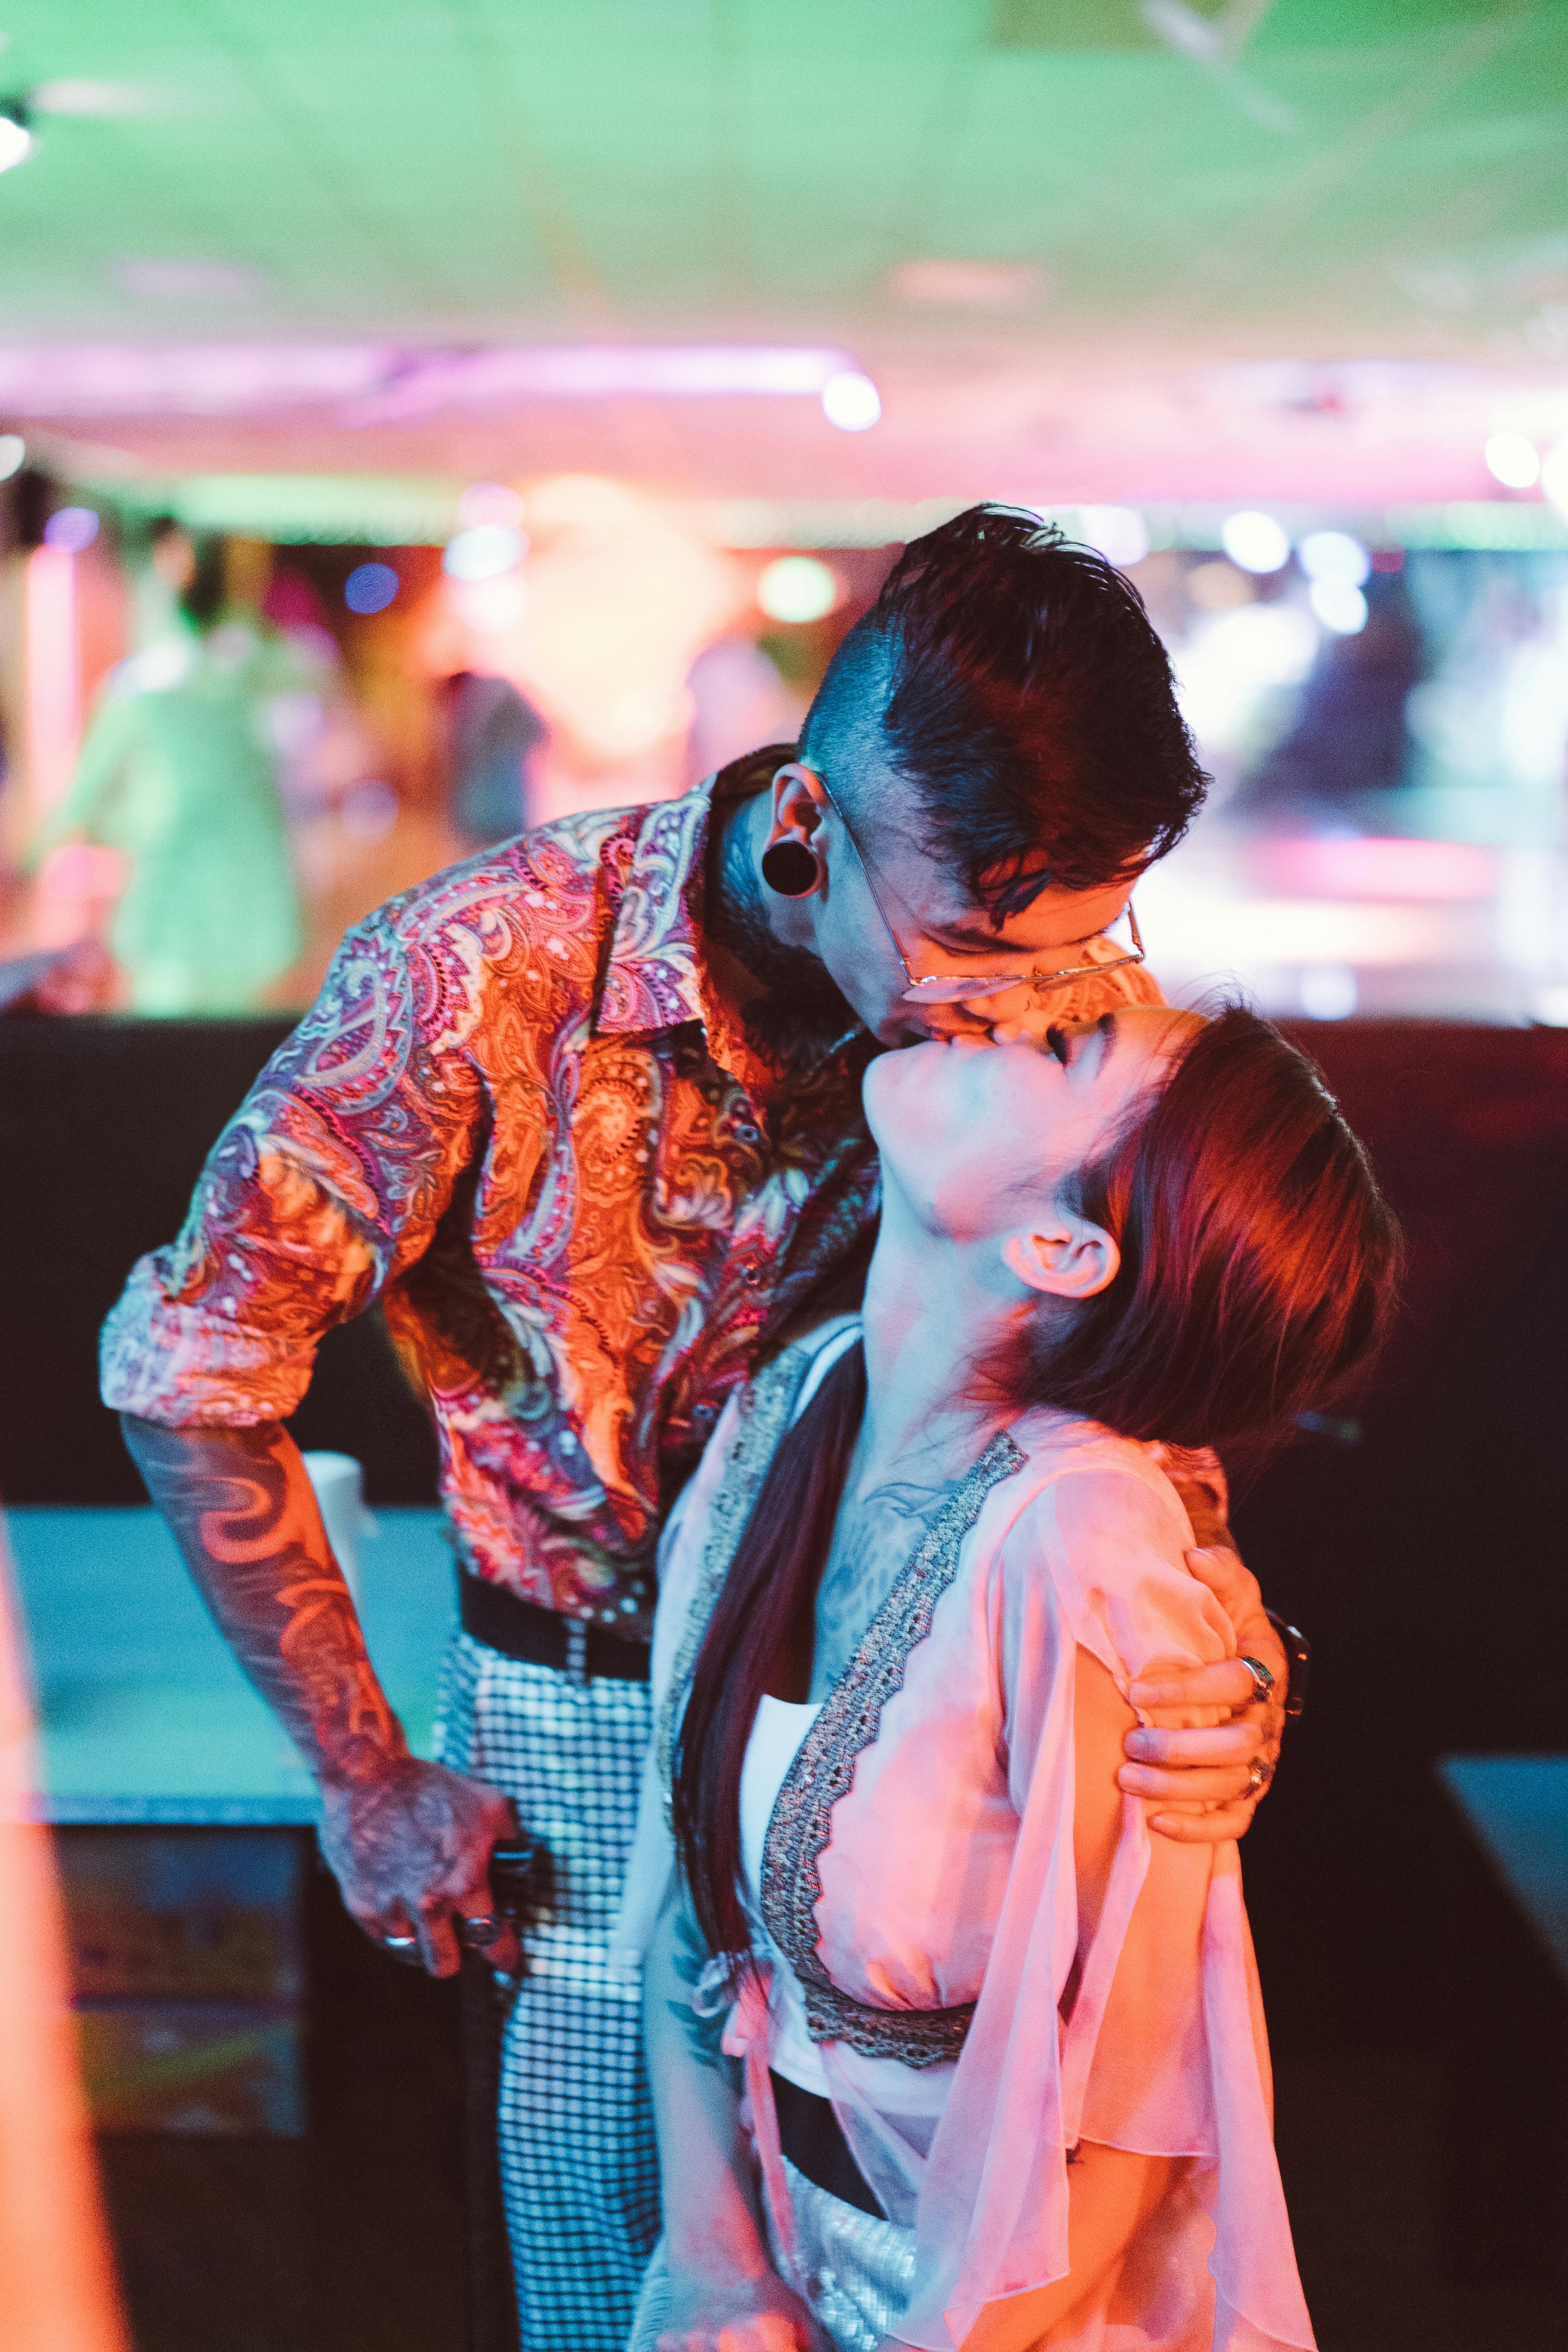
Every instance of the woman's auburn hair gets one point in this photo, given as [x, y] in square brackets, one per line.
[1259, 1269]
[1259, 1262]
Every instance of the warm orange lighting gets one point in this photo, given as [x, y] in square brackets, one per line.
[617, 595]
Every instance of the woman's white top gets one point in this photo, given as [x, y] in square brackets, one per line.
[978, 1951]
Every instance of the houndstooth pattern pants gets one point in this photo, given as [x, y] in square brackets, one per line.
[579, 2167]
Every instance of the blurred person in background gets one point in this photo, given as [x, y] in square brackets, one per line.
[493, 737]
[179, 772]
[585, 1116]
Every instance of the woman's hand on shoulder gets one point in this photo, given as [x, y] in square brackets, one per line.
[1209, 1773]
[756, 2315]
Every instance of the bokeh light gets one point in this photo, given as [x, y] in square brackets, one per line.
[1329, 991]
[1555, 476]
[370, 587]
[851, 401]
[1334, 555]
[13, 455]
[1513, 459]
[1339, 605]
[1256, 542]
[490, 503]
[796, 588]
[71, 528]
[16, 142]
[1120, 533]
[484, 552]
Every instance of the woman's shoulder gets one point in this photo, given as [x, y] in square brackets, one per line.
[1090, 1468]
[1096, 1519]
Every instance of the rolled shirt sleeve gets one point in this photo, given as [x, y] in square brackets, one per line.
[327, 1182]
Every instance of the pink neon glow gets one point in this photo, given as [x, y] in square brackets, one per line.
[604, 371]
[1376, 867]
[192, 380]
[53, 674]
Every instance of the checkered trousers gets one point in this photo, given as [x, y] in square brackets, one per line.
[579, 2165]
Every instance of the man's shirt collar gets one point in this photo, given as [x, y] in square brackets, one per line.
[654, 976]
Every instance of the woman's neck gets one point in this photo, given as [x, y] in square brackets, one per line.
[935, 1311]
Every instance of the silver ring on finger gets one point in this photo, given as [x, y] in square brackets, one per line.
[1262, 1680]
[1259, 1773]
[481, 1931]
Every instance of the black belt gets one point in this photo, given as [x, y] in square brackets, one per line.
[519, 1629]
[812, 2137]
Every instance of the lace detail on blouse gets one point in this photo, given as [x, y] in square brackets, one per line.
[824, 1767]
[766, 1408]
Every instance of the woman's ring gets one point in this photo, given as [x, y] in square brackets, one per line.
[1259, 1773]
[1262, 1680]
[481, 1931]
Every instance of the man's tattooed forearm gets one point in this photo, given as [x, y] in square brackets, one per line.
[240, 1505]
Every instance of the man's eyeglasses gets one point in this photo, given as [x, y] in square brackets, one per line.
[1107, 951]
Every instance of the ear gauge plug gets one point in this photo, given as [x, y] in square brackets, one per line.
[791, 869]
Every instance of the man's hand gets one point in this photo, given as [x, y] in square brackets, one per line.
[757, 2315]
[1204, 1775]
[410, 1848]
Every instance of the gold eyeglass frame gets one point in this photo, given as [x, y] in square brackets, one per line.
[958, 988]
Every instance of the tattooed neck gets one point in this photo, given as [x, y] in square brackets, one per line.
[799, 1009]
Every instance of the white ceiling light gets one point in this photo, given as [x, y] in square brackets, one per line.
[105, 101]
[1513, 460]
[16, 142]
[851, 400]
[1334, 555]
[1339, 605]
[1255, 541]
[796, 588]
[13, 455]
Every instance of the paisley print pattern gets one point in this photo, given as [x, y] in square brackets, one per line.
[518, 1118]
[824, 1767]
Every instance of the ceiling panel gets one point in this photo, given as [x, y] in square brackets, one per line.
[1327, 178]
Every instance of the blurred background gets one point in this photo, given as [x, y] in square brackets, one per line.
[422, 420]
[609, 353]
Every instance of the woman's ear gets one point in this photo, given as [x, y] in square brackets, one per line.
[1069, 1255]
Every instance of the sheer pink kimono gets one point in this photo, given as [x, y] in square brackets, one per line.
[978, 1951]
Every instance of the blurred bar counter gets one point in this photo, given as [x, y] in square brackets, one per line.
[184, 1817]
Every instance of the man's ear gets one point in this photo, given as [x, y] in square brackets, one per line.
[1069, 1255]
[798, 805]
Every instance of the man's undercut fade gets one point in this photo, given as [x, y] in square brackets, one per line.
[1016, 680]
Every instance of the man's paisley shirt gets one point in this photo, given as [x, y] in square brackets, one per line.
[519, 1117]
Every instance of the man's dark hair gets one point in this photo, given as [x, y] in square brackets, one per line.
[1018, 682]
